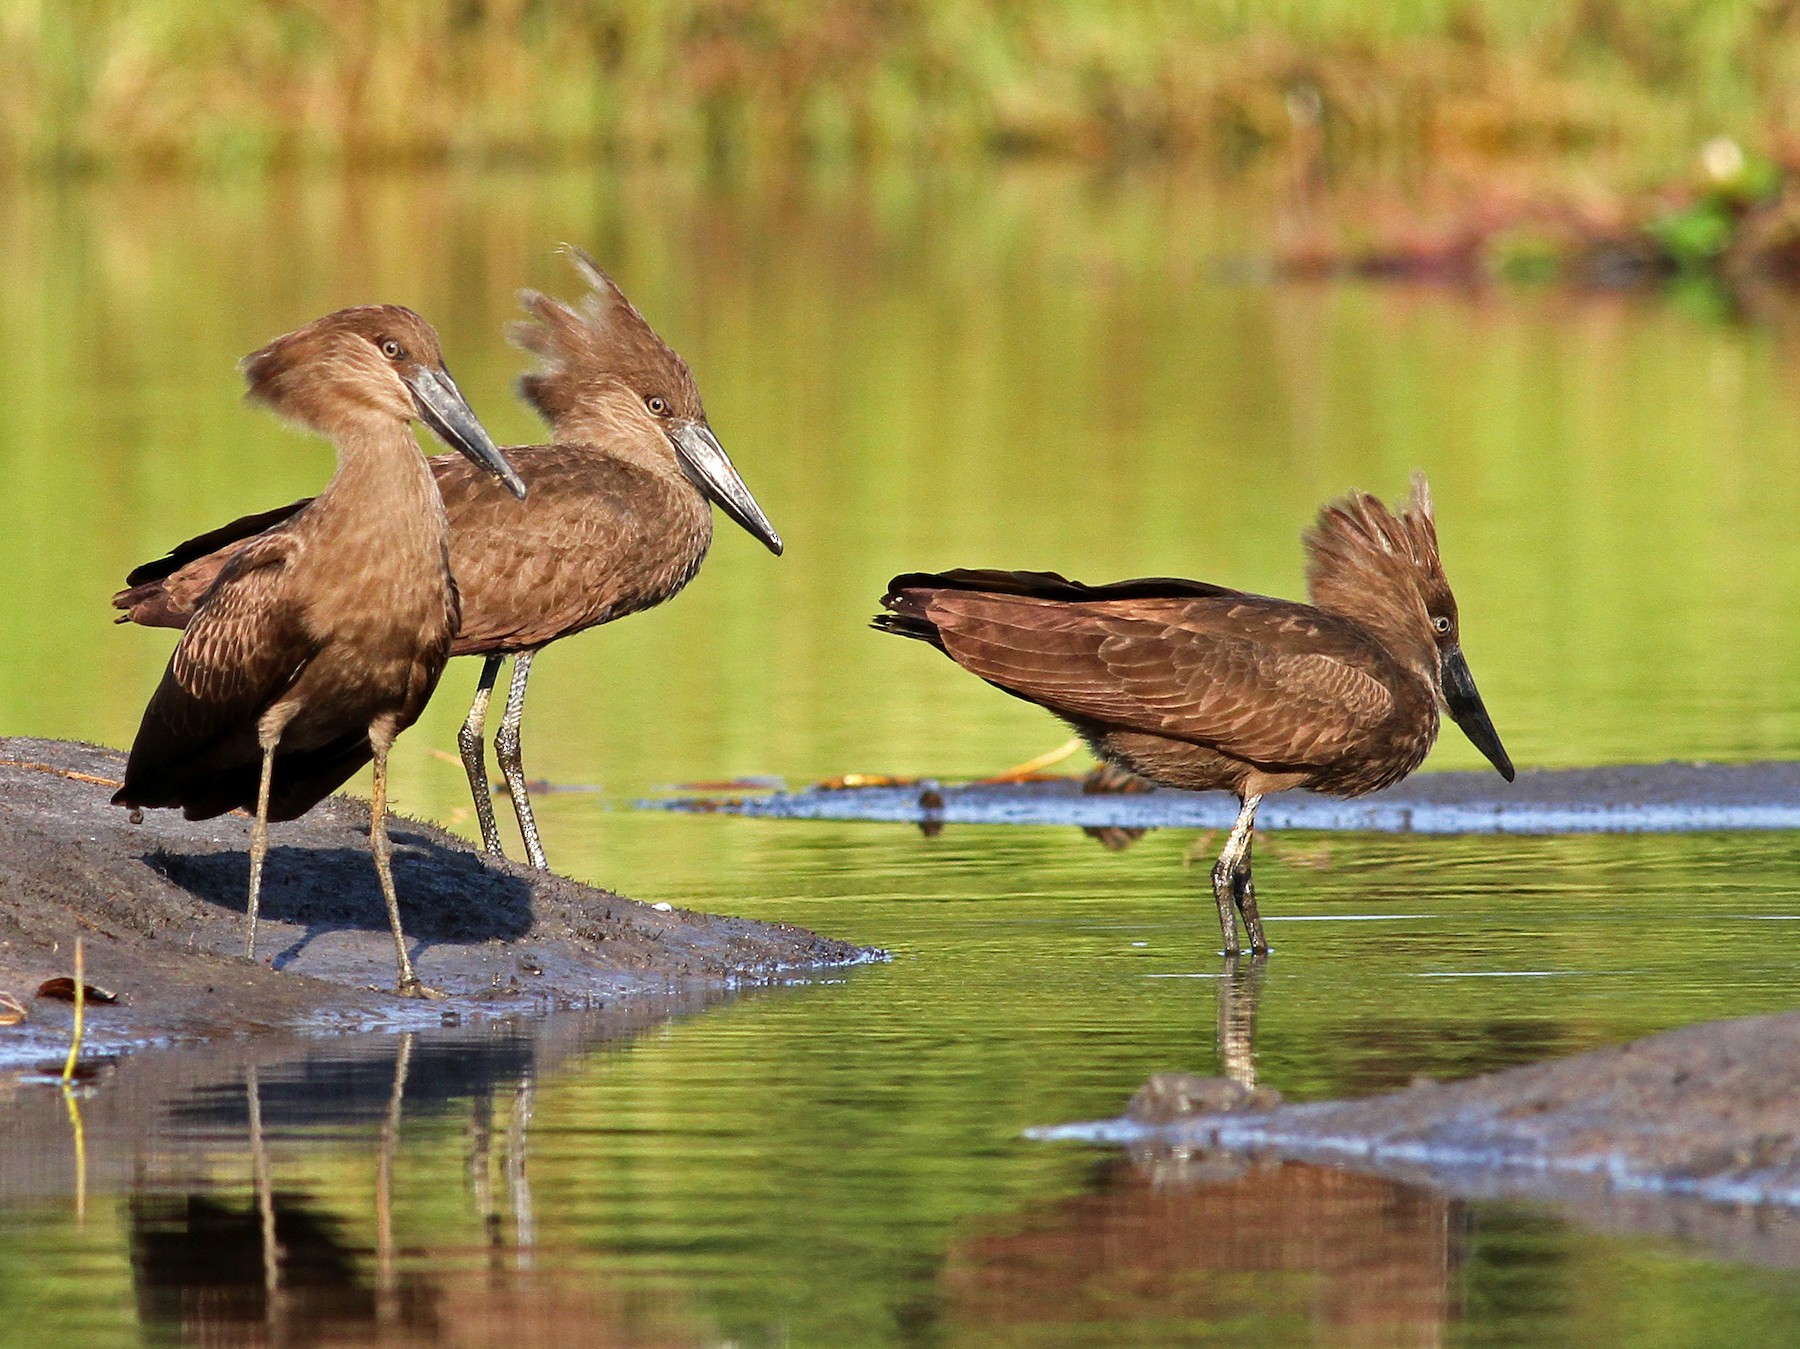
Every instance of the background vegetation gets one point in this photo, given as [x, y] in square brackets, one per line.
[192, 83]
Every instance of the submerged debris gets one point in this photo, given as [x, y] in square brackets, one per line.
[62, 988]
[1172, 1096]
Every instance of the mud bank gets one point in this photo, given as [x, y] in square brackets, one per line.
[1708, 1112]
[1637, 798]
[160, 908]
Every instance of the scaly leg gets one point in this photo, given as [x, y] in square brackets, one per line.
[383, 851]
[506, 750]
[259, 848]
[469, 741]
[1244, 893]
[1225, 878]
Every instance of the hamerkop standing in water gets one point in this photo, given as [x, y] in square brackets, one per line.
[321, 639]
[619, 517]
[1199, 687]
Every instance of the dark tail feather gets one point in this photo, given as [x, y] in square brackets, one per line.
[922, 629]
[200, 545]
[151, 606]
[1049, 585]
[302, 780]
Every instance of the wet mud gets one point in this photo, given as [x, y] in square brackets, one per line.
[160, 904]
[1636, 798]
[1707, 1113]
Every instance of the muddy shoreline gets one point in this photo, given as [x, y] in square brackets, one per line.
[1708, 1112]
[159, 906]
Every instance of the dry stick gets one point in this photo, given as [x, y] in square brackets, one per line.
[68, 1072]
[68, 773]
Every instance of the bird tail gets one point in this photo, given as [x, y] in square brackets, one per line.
[1037, 585]
[909, 595]
[165, 593]
[906, 614]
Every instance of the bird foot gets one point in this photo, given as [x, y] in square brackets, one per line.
[412, 988]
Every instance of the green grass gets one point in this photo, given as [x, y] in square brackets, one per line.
[195, 84]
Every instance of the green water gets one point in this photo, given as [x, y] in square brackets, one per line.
[1025, 370]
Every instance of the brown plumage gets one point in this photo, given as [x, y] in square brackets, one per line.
[1204, 688]
[619, 516]
[319, 640]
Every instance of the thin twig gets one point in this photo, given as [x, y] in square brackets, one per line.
[68, 1072]
[69, 773]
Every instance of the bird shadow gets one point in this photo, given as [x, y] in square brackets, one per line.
[446, 895]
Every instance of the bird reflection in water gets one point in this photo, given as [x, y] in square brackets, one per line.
[1240, 989]
[1179, 1244]
[289, 1264]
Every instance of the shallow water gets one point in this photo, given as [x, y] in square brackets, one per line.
[1039, 371]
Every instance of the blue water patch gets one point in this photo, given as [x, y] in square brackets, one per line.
[1637, 799]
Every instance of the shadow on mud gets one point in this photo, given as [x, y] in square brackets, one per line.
[335, 889]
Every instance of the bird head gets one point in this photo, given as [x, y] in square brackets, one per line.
[1382, 569]
[365, 364]
[605, 377]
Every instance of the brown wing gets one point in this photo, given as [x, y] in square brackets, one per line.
[165, 593]
[1263, 680]
[595, 539]
[245, 646]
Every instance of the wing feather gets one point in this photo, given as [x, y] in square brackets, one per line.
[1261, 680]
[246, 645]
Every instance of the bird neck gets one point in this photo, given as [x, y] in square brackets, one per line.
[383, 482]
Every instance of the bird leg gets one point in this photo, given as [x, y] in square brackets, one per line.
[259, 848]
[506, 750]
[469, 741]
[383, 851]
[1232, 888]
[1243, 891]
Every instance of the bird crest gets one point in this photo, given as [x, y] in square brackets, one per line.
[603, 342]
[1381, 567]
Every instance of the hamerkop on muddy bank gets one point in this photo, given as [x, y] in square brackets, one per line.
[1200, 687]
[619, 517]
[321, 640]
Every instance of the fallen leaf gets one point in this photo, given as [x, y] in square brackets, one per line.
[849, 780]
[63, 987]
[12, 1011]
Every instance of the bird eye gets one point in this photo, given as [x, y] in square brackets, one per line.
[392, 349]
[1442, 624]
[658, 405]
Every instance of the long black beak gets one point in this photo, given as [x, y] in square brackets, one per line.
[441, 407]
[709, 468]
[1465, 705]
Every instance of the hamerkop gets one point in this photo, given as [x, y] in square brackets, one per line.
[1200, 687]
[321, 639]
[618, 518]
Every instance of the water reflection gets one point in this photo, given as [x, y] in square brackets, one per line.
[1163, 1247]
[261, 1194]
[281, 1265]
[1240, 986]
